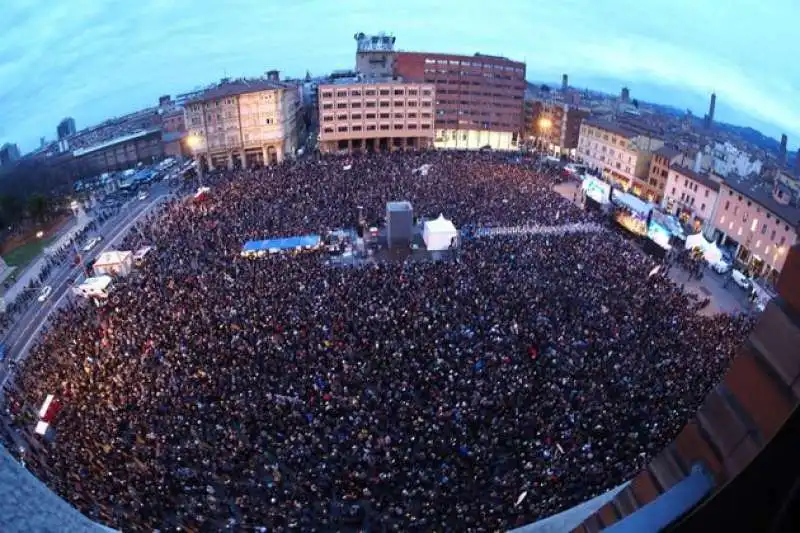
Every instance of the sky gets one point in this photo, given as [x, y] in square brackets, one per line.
[94, 59]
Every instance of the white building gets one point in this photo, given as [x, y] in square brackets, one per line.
[725, 159]
[691, 196]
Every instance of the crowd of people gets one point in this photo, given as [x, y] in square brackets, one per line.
[215, 392]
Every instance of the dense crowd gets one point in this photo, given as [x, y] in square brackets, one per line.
[524, 375]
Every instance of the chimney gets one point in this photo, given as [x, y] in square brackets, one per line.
[698, 161]
[564, 83]
[273, 75]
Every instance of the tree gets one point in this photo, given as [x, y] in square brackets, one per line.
[544, 88]
[38, 207]
[635, 103]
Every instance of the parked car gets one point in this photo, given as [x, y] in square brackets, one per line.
[45, 293]
[741, 279]
[720, 267]
[92, 243]
[142, 195]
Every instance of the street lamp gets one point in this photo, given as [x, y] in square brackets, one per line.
[544, 124]
[193, 141]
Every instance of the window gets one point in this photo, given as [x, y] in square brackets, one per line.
[341, 116]
[412, 103]
[355, 116]
[341, 105]
[369, 92]
[398, 92]
[370, 104]
[356, 128]
[355, 105]
[384, 127]
[412, 126]
[384, 92]
[341, 94]
[426, 126]
[702, 207]
[426, 115]
[355, 92]
[328, 130]
[736, 210]
[370, 116]
[327, 94]
[268, 121]
[398, 103]
[727, 205]
[341, 129]
[426, 104]
[412, 115]
[426, 92]
[772, 236]
[398, 116]
[758, 243]
[783, 240]
[327, 118]
[412, 92]
[398, 126]
[384, 104]
[370, 127]
[686, 183]
[385, 115]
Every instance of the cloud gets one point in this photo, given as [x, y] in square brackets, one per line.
[92, 60]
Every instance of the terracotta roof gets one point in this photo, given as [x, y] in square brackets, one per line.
[236, 87]
[761, 193]
[702, 179]
[667, 152]
[611, 127]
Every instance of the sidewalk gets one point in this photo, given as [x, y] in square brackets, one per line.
[723, 300]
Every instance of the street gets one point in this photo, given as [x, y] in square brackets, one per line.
[25, 330]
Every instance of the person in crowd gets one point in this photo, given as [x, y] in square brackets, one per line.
[216, 392]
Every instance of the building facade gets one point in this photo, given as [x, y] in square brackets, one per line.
[120, 153]
[243, 123]
[759, 222]
[557, 126]
[375, 55]
[692, 197]
[622, 154]
[479, 99]
[173, 132]
[9, 153]
[662, 160]
[376, 115]
[725, 159]
[66, 128]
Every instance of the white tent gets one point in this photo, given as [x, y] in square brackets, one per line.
[438, 234]
[114, 262]
[711, 252]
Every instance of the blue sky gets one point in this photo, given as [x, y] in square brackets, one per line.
[91, 59]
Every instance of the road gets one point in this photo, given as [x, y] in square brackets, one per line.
[25, 330]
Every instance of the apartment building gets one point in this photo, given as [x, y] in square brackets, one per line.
[692, 197]
[759, 220]
[557, 126]
[376, 115]
[620, 152]
[662, 160]
[244, 122]
[479, 99]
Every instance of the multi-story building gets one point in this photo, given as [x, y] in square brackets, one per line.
[479, 99]
[243, 122]
[372, 115]
[760, 220]
[66, 128]
[173, 131]
[557, 125]
[725, 159]
[9, 153]
[692, 197]
[622, 153]
[662, 160]
[375, 55]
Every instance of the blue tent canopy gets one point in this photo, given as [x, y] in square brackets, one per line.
[281, 244]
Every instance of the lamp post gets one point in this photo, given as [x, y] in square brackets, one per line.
[544, 124]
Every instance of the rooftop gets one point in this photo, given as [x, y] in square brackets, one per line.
[611, 127]
[703, 179]
[761, 193]
[370, 81]
[236, 87]
[667, 152]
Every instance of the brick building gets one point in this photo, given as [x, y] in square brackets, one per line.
[374, 115]
[557, 125]
[662, 160]
[479, 99]
[691, 196]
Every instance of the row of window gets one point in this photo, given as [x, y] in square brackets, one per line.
[372, 116]
[474, 64]
[745, 216]
[344, 93]
[481, 125]
[467, 74]
[505, 86]
[373, 103]
[267, 96]
[374, 127]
